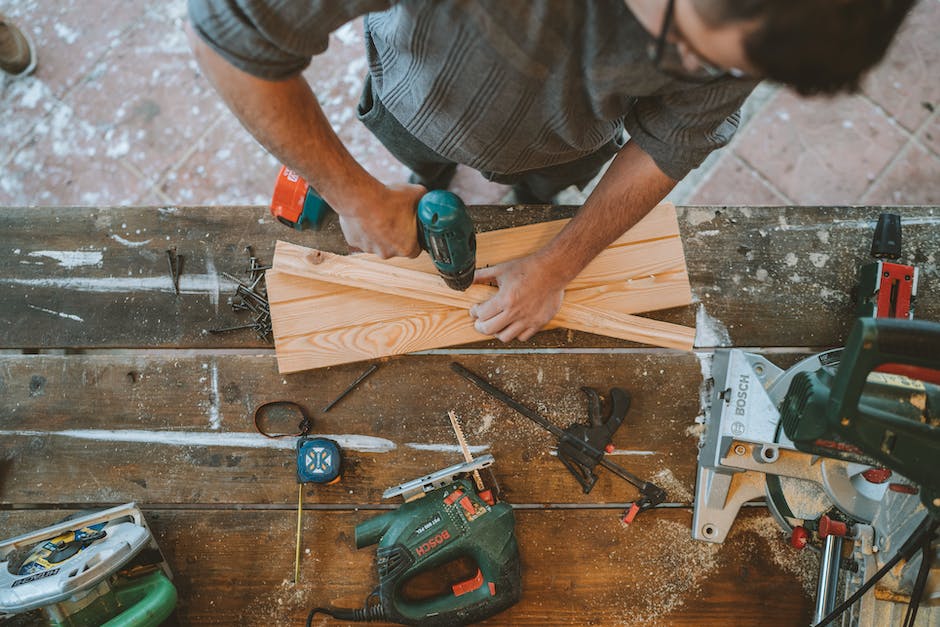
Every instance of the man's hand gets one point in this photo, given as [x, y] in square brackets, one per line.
[385, 224]
[530, 295]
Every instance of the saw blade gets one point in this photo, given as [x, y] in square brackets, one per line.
[458, 431]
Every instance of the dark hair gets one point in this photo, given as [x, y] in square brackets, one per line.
[816, 46]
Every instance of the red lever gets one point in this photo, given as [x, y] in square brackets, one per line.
[799, 537]
[830, 527]
[876, 475]
[469, 585]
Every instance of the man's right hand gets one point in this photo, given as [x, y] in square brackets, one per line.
[385, 223]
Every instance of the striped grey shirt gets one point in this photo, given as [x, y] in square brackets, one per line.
[500, 85]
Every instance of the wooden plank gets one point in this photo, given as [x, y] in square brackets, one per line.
[317, 326]
[178, 429]
[739, 265]
[356, 272]
[579, 568]
[784, 276]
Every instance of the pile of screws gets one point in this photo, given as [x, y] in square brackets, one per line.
[251, 295]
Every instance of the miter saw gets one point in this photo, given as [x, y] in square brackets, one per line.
[102, 568]
[845, 449]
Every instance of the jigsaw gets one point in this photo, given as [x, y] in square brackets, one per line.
[444, 520]
[842, 446]
[101, 568]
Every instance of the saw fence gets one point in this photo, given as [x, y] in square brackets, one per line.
[112, 390]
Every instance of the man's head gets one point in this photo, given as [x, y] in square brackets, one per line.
[814, 46]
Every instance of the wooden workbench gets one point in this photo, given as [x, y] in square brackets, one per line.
[112, 390]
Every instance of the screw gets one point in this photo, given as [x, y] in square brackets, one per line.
[740, 450]
[170, 258]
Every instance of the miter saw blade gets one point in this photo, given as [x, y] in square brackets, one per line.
[745, 454]
[843, 487]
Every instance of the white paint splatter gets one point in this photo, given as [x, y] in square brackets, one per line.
[32, 94]
[823, 236]
[699, 216]
[57, 313]
[167, 210]
[709, 331]
[189, 284]
[71, 258]
[216, 287]
[117, 238]
[215, 415]
[70, 36]
[761, 274]
[791, 259]
[447, 448]
[818, 259]
[355, 442]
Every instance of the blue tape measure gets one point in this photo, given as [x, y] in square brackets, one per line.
[318, 460]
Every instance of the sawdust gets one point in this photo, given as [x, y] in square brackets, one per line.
[677, 491]
[282, 606]
[695, 430]
[804, 565]
[672, 577]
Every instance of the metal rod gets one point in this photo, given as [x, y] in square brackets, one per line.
[300, 509]
[350, 387]
[828, 584]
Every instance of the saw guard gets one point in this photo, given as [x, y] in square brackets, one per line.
[79, 573]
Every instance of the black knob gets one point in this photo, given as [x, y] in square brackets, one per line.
[886, 243]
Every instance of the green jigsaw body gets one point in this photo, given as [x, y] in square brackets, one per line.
[448, 523]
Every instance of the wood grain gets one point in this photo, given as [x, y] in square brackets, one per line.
[579, 568]
[178, 429]
[770, 276]
[315, 326]
[369, 275]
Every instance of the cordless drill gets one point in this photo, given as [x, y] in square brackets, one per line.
[445, 230]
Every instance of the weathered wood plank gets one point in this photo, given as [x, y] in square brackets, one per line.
[771, 276]
[579, 568]
[165, 429]
[784, 276]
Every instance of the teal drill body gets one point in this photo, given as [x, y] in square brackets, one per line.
[445, 229]
[446, 232]
[449, 523]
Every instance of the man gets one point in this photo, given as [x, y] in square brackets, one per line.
[17, 52]
[536, 94]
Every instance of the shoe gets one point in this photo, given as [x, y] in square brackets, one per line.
[17, 52]
[441, 181]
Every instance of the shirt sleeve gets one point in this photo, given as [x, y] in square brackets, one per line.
[679, 129]
[273, 39]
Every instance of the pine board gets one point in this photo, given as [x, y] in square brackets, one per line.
[370, 310]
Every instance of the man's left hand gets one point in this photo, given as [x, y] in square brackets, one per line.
[529, 297]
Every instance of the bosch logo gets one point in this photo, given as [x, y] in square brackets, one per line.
[433, 543]
[740, 403]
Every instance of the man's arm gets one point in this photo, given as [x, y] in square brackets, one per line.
[531, 288]
[285, 117]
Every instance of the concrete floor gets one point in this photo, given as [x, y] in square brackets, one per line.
[118, 114]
